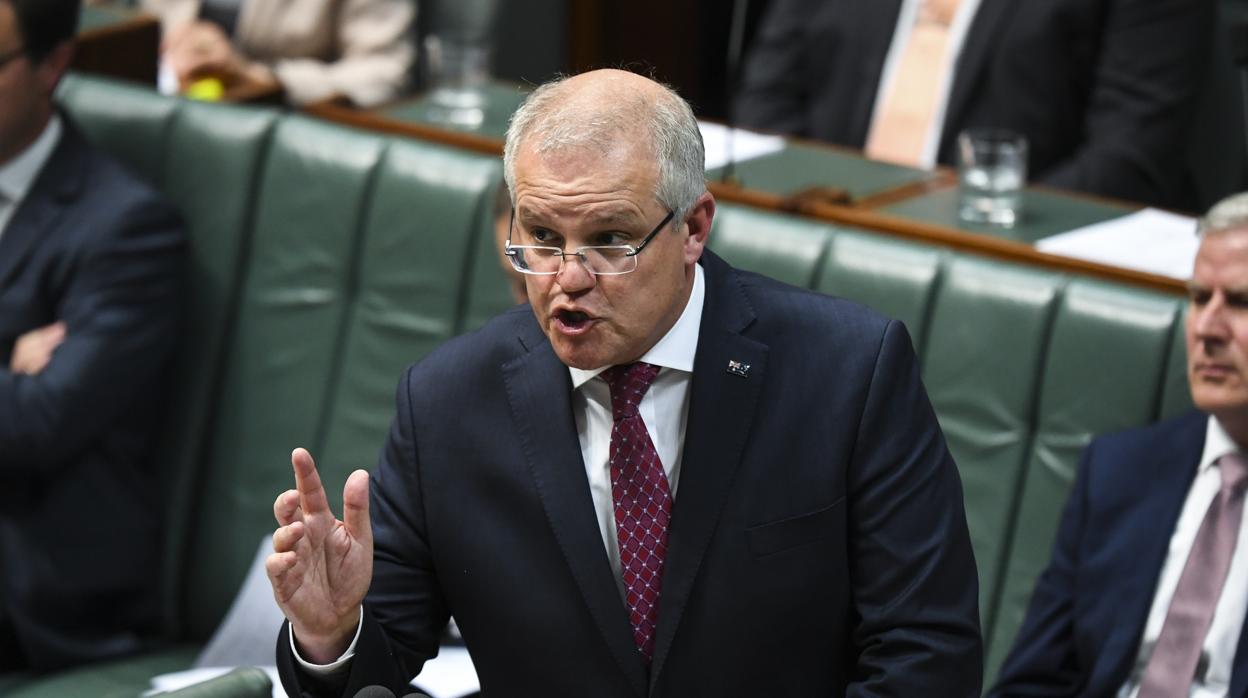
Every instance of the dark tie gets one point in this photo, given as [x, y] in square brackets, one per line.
[1172, 666]
[642, 500]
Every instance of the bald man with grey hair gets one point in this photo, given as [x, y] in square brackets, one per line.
[662, 477]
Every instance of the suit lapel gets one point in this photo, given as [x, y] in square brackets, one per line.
[57, 184]
[721, 410]
[977, 47]
[1162, 489]
[539, 392]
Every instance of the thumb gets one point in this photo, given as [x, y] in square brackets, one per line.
[355, 508]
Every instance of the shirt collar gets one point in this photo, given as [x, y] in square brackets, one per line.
[1217, 444]
[676, 349]
[18, 174]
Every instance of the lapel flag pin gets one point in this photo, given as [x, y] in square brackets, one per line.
[738, 368]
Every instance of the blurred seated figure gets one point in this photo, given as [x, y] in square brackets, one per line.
[311, 49]
[1145, 593]
[91, 267]
[1104, 90]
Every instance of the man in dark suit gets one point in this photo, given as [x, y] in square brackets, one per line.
[665, 477]
[89, 280]
[1147, 587]
[1104, 90]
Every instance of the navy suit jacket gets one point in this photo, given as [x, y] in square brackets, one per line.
[1088, 611]
[79, 509]
[1104, 90]
[818, 543]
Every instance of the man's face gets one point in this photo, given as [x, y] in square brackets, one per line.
[25, 89]
[578, 198]
[1217, 327]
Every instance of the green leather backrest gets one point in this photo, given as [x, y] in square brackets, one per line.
[129, 121]
[226, 144]
[783, 247]
[1105, 360]
[982, 367]
[895, 277]
[415, 262]
[311, 205]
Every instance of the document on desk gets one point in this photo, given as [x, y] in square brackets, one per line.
[1149, 240]
[724, 144]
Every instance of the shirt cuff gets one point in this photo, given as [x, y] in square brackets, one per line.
[335, 667]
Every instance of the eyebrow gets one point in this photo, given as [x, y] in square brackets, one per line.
[618, 218]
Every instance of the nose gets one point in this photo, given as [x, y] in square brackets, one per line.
[574, 276]
[1210, 320]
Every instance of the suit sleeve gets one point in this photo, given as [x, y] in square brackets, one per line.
[775, 82]
[1043, 660]
[121, 308]
[404, 613]
[915, 587]
[1153, 56]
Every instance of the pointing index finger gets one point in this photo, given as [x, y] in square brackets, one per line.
[311, 494]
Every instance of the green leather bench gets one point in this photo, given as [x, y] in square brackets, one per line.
[326, 259]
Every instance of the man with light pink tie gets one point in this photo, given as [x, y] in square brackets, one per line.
[1146, 591]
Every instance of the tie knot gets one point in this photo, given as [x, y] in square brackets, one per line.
[629, 382]
[1234, 471]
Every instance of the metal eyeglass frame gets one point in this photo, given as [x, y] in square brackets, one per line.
[511, 251]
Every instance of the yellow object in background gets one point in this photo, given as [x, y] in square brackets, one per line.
[206, 89]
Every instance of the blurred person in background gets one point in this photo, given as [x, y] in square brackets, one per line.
[310, 49]
[90, 282]
[1103, 90]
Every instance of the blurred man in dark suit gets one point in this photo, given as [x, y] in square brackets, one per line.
[90, 266]
[1104, 90]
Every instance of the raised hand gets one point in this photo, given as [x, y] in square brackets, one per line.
[321, 566]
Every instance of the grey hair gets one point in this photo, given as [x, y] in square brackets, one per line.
[1230, 213]
[557, 123]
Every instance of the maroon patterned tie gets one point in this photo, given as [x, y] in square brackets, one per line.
[642, 500]
[1172, 666]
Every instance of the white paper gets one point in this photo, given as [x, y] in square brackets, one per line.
[1148, 240]
[744, 145]
[448, 675]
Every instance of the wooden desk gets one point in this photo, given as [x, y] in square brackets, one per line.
[118, 42]
[825, 182]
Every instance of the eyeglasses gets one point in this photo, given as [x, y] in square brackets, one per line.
[6, 58]
[599, 260]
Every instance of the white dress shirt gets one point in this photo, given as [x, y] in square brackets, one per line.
[664, 409]
[18, 174]
[906, 19]
[1220, 644]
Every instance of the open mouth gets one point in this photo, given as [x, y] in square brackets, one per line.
[572, 320]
